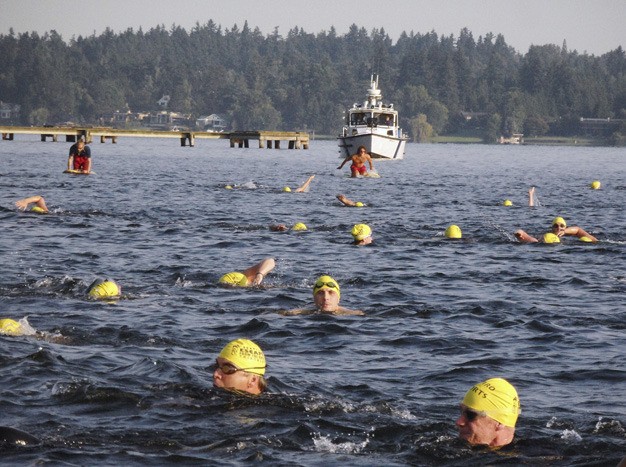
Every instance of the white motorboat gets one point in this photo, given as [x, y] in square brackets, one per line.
[374, 125]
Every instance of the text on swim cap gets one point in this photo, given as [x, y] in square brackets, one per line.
[248, 353]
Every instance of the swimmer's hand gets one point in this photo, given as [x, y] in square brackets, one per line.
[21, 205]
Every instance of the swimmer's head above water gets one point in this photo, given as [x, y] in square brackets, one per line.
[240, 366]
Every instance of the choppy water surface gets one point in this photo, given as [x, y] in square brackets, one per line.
[131, 383]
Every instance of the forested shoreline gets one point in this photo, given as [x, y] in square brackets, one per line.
[303, 81]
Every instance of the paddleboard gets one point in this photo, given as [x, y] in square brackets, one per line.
[366, 175]
[77, 172]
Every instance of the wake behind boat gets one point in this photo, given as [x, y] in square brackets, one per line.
[373, 125]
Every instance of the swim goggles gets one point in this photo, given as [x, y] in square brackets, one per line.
[230, 369]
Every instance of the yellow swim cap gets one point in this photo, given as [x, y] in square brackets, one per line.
[497, 398]
[361, 232]
[551, 238]
[10, 327]
[287, 189]
[358, 204]
[595, 185]
[507, 202]
[246, 355]
[37, 210]
[235, 279]
[104, 289]
[585, 239]
[326, 282]
[559, 220]
[454, 231]
[299, 226]
[228, 187]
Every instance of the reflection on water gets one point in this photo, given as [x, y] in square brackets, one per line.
[131, 384]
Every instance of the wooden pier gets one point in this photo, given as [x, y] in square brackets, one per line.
[269, 139]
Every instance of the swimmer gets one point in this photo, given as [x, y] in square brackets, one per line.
[104, 289]
[362, 234]
[10, 327]
[358, 162]
[326, 295]
[40, 204]
[454, 232]
[348, 202]
[489, 412]
[251, 276]
[559, 229]
[304, 188]
[240, 366]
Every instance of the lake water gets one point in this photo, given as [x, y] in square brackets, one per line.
[131, 383]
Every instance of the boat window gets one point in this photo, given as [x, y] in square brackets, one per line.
[357, 119]
[387, 119]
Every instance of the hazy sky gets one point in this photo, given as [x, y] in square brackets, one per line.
[592, 26]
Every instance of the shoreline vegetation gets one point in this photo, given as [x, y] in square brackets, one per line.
[534, 140]
[456, 88]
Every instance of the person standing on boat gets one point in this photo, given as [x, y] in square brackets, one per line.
[358, 162]
[80, 157]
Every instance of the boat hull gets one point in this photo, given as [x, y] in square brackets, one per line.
[378, 146]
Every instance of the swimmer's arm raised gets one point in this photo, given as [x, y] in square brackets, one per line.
[22, 204]
[523, 237]
[579, 232]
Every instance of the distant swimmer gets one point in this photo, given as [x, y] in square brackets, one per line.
[79, 158]
[104, 289]
[10, 327]
[358, 162]
[15, 437]
[304, 188]
[240, 366]
[362, 234]
[559, 230]
[326, 295]
[348, 202]
[489, 412]
[298, 226]
[251, 276]
[453, 232]
[39, 207]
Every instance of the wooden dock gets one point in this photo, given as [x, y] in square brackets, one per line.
[269, 139]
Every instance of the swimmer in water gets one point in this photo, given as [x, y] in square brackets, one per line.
[10, 327]
[40, 204]
[559, 229]
[326, 295]
[240, 366]
[348, 202]
[104, 289]
[453, 232]
[362, 234]
[251, 276]
[489, 412]
[304, 188]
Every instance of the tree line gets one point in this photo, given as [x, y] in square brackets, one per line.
[305, 81]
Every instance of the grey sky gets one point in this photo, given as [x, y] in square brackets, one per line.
[592, 26]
